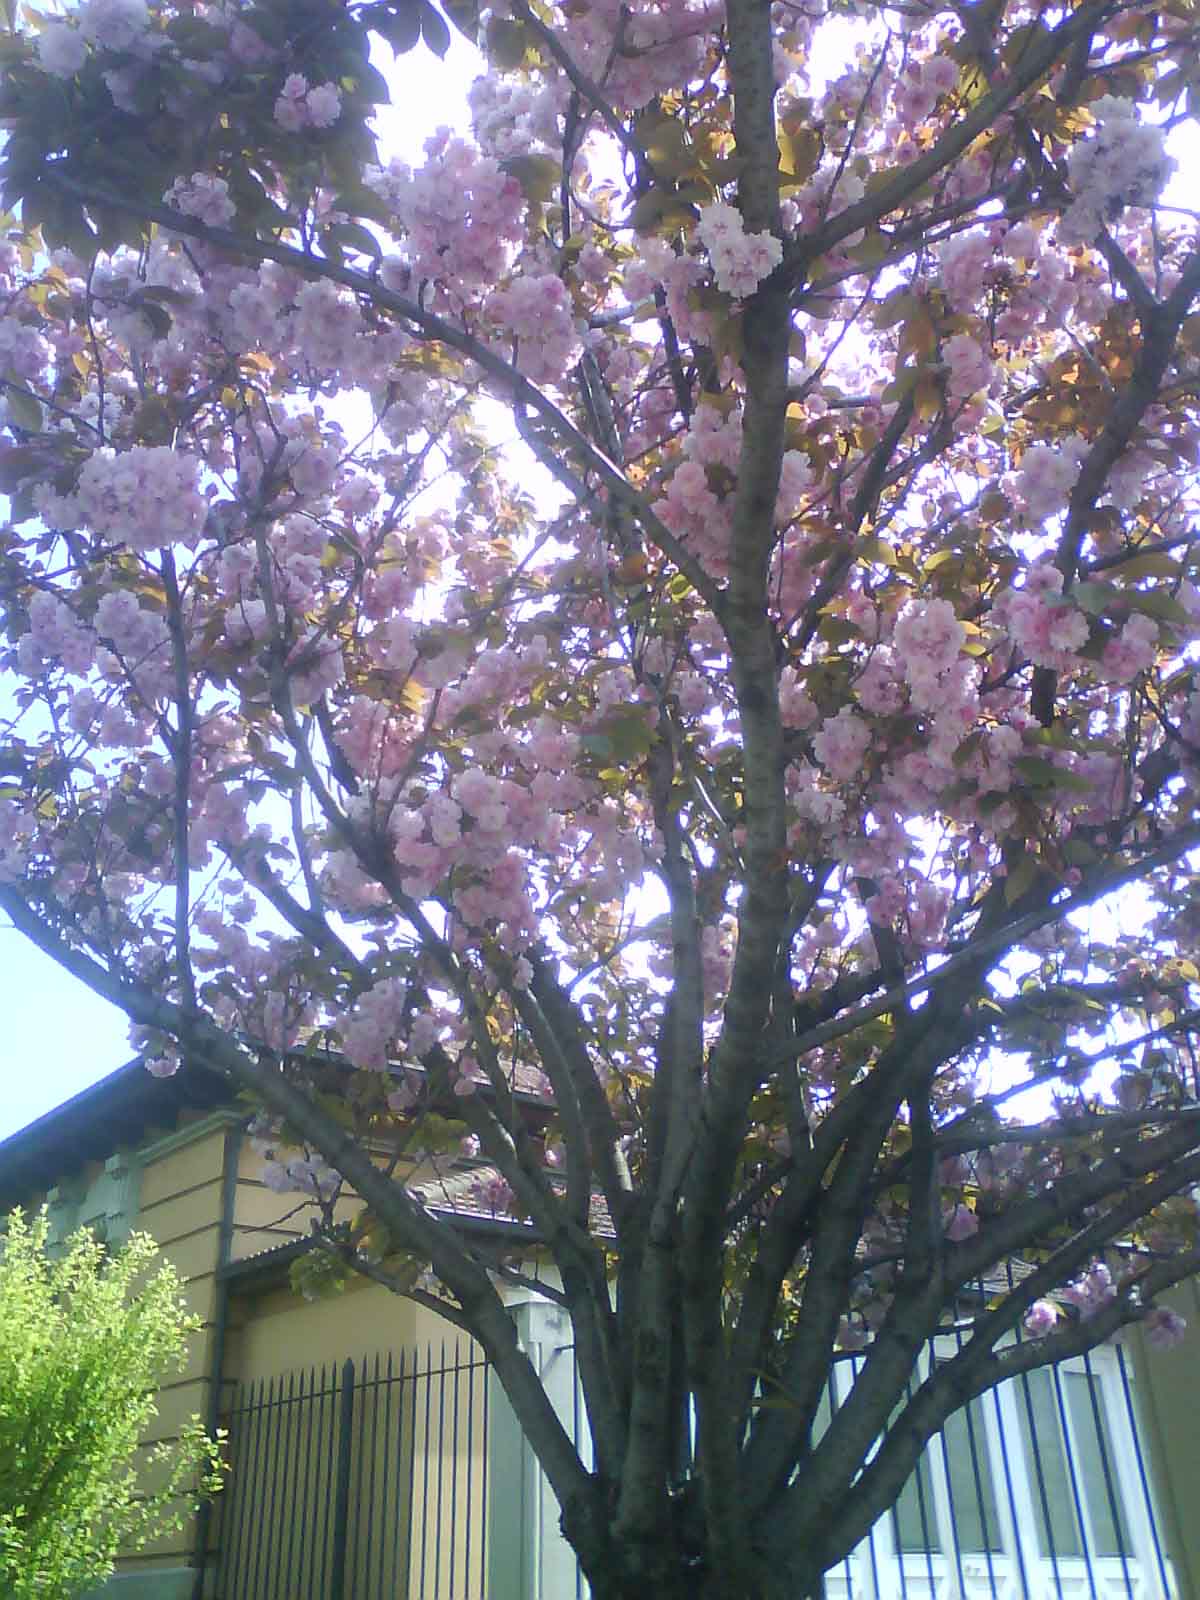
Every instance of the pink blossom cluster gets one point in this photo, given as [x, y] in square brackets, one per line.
[114, 24]
[958, 1223]
[1041, 1319]
[512, 119]
[1125, 163]
[203, 197]
[147, 497]
[299, 106]
[812, 804]
[740, 260]
[927, 638]
[16, 836]
[1041, 621]
[1132, 652]
[1047, 475]
[965, 260]
[921, 85]
[832, 189]
[1164, 1328]
[61, 49]
[535, 310]
[1091, 1292]
[370, 1033]
[693, 509]
[55, 633]
[842, 744]
[656, 263]
[969, 368]
[493, 1193]
[460, 211]
[664, 46]
[24, 353]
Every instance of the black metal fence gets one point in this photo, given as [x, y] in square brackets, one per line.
[364, 1481]
[369, 1481]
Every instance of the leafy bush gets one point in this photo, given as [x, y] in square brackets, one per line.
[86, 1337]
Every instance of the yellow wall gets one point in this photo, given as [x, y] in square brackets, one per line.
[180, 1207]
[1167, 1412]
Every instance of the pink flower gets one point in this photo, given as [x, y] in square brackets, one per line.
[61, 49]
[959, 1223]
[1164, 1328]
[203, 197]
[324, 105]
[1041, 1318]
[842, 744]
[1092, 1292]
[969, 367]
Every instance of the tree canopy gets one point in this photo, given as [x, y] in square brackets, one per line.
[716, 843]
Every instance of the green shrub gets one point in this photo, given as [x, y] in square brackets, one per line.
[86, 1337]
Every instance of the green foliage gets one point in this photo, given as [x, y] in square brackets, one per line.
[85, 1339]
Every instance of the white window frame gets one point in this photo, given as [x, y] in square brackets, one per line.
[879, 1570]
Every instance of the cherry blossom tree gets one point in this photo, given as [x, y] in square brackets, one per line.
[763, 845]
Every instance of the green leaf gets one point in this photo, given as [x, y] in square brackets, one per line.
[1043, 774]
[1154, 564]
[1020, 879]
[401, 28]
[1092, 597]
[537, 175]
[1156, 603]
[506, 43]
[464, 14]
[24, 408]
[353, 236]
[434, 30]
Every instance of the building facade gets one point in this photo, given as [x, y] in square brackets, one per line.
[372, 1456]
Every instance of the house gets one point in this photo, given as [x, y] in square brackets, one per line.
[373, 1456]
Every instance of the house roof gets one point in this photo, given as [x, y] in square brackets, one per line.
[119, 1110]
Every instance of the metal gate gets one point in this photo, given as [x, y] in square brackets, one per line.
[364, 1481]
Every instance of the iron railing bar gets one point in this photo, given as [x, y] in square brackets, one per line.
[398, 1519]
[274, 1533]
[310, 1498]
[235, 1503]
[366, 1538]
[259, 1489]
[455, 1466]
[357, 1550]
[1147, 1498]
[425, 1466]
[985, 1512]
[958, 1566]
[1110, 1489]
[1036, 1447]
[341, 1488]
[834, 1406]
[483, 1521]
[411, 1520]
[325, 1429]
[467, 1571]
[1081, 1515]
[922, 1513]
[292, 1462]
[1018, 1542]
[441, 1473]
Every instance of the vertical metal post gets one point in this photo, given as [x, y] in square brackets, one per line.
[341, 1493]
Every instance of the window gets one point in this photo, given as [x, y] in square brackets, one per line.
[1035, 1485]
[1067, 1443]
